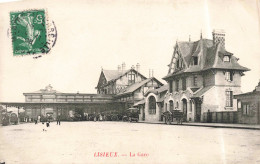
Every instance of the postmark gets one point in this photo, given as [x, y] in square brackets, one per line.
[32, 33]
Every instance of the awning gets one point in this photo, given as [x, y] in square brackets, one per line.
[140, 102]
[201, 92]
[160, 100]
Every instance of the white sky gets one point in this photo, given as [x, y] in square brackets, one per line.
[94, 34]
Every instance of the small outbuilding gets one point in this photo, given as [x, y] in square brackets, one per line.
[248, 106]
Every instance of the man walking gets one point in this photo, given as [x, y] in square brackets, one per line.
[58, 120]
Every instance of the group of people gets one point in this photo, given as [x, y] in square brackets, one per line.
[46, 122]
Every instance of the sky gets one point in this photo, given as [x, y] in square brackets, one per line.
[102, 34]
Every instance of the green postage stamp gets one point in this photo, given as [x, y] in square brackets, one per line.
[29, 32]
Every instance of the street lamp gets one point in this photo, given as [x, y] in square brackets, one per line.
[18, 121]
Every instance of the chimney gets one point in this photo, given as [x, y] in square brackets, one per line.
[123, 66]
[138, 67]
[119, 68]
[152, 73]
[133, 67]
[218, 37]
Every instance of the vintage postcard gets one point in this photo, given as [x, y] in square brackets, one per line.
[129, 81]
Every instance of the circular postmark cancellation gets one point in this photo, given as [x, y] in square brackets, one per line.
[32, 32]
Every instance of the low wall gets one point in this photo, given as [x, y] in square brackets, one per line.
[220, 117]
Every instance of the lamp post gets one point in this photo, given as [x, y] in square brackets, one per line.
[18, 115]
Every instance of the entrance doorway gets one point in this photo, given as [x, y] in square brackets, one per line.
[143, 113]
[197, 111]
[184, 109]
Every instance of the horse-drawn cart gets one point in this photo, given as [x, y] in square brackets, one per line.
[132, 114]
[169, 115]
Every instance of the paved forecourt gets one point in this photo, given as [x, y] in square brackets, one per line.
[124, 142]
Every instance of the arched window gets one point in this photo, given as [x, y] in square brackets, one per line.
[171, 105]
[152, 105]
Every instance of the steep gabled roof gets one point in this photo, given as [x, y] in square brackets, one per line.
[111, 75]
[185, 49]
[209, 55]
[137, 85]
[163, 88]
[215, 60]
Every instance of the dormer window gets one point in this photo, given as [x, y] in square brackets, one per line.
[195, 60]
[226, 58]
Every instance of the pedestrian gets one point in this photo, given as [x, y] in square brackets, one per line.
[209, 116]
[43, 127]
[48, 124]
[100, 117]
[58, 120]
[95, 117]
[35, 121]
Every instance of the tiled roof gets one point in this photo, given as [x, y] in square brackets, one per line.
[202, 91]
[163, 88]
[186, 48]
[136, 85]
[215, 60]
[140, 102]
[209, 56]
[247, 94]
[161, 99]
[113, 74]
[255, 92]
[194, 89]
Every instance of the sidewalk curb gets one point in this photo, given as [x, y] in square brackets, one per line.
[211, 126]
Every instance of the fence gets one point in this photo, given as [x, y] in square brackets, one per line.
[220, 117]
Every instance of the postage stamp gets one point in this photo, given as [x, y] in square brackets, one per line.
[29, 32]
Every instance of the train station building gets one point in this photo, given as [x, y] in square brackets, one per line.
[202, 79]
[117, 90]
